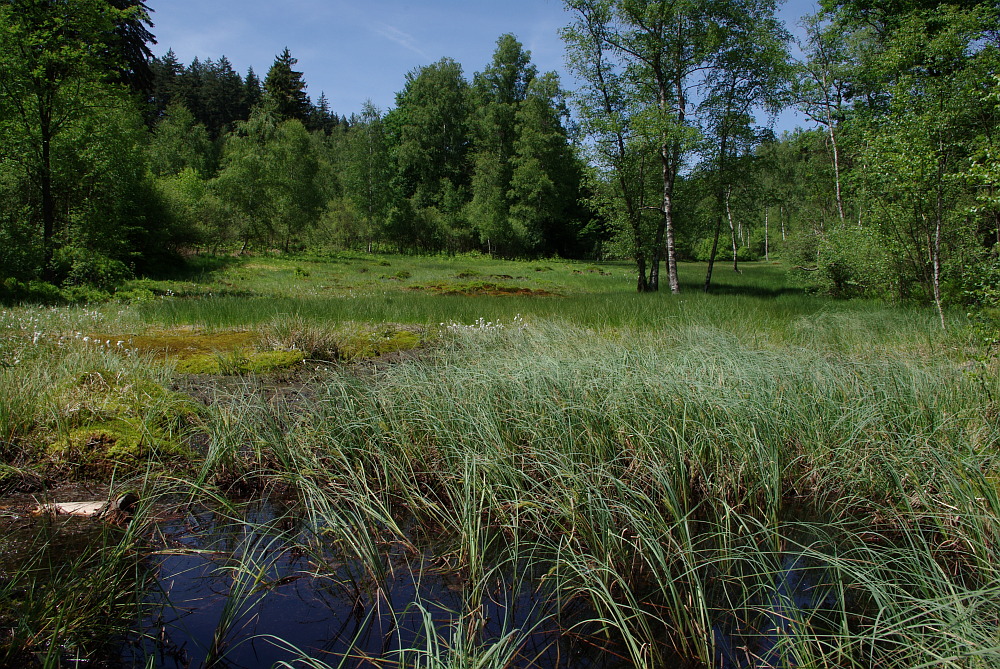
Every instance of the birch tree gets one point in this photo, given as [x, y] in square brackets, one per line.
[661, 49]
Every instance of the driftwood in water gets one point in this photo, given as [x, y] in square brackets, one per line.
[118, 509]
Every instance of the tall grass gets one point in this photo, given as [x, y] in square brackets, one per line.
[668, 485]
[67, 604]
[718, 480]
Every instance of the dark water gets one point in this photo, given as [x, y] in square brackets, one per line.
[799, 591]
[336, 612]
[264, 587]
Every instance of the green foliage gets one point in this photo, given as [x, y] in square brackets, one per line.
[50, 78]
[286, 88]
[850, 261]
[268, 181]
[639, 61]
[980, 284]
[179, 143]
[546, 178]
[703, 251]
[215, 95]
[430, 125]
[81, 180]
[74, 266]
[498, 94]
[366, 173]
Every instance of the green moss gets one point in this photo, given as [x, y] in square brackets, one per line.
[112, 418]
[401, 275]
[128, 441]
[370, 344]
[100, 395]
[183, 342]
[240, 361]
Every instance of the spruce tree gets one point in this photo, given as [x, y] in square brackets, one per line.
[320, 117]
[499, 91]
[167, 73]
[189, 88]
[222, 96]
[287, 88]
[131, 41]
[254, 93]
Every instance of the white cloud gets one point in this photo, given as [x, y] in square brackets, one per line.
[401, 38]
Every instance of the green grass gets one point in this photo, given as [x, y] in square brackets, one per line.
[657, 458]
[259, 290]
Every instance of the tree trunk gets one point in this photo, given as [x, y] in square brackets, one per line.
[642, 286]
[836, 169]
[719, 195]
[48, 200]
[767, 252]
[670, 157]
[714, 252]
[829, 104]
[732, 231]
[936, 249]
[653, 284]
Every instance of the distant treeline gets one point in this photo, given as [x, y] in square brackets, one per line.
[457, 166]
[218, 96]
[114, 161]
[138, 158]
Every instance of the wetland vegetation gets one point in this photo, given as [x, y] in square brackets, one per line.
[757, 478]
[334, 394]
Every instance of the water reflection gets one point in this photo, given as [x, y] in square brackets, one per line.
[244, 592]
[796, 597]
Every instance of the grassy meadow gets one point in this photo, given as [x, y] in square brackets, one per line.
[750, 478]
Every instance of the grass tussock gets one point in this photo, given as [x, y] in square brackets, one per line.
[667, 486]
[346, 342]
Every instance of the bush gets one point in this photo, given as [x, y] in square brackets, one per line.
[848, 261]
[84, 294]
[135, 295]
[703, 251]
[75, 266]
[40, 291]
[980, 284]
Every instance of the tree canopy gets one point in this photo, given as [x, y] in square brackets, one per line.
[664, 153]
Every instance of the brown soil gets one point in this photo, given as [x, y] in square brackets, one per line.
[485, 290]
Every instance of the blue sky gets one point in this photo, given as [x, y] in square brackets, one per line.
[354, 51]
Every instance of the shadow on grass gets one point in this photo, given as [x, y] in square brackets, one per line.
[195, 267]
[743, 290]
[755, 280]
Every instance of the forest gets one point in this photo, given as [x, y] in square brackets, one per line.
[116, 162]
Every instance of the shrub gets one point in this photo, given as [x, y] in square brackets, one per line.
[980, 284]
[75, 266]
[43, 292]
[84, 294]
